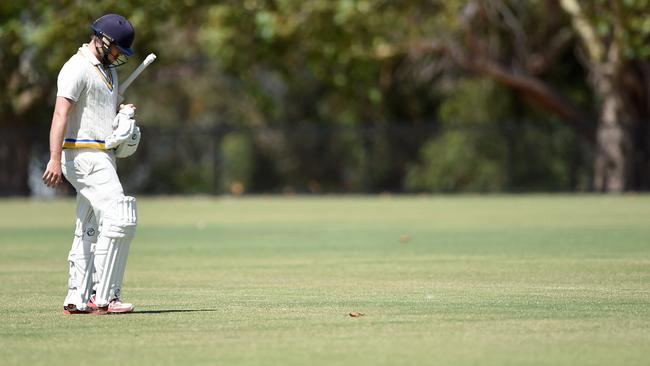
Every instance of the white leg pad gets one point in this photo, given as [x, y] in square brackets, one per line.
[80, 276]
[80, 260]
[112, 249]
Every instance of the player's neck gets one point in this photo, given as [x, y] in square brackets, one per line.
[93, 49]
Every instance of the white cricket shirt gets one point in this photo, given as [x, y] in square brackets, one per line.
[84, 80]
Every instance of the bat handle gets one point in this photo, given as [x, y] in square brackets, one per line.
[147, 61]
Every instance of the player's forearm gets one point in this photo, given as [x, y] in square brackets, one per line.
[57, 131]
[62, 108]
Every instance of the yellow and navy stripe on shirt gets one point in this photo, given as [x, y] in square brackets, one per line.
[79, 143]
[106, 76]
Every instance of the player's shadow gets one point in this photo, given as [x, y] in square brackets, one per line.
[165, 311]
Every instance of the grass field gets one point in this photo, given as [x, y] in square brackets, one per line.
[442, 280]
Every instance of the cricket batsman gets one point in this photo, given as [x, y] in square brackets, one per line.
[90, 129]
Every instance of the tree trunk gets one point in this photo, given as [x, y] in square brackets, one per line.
[614, 151]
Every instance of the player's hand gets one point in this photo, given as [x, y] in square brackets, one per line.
[125, 110]
[132, 106]
[53, 176]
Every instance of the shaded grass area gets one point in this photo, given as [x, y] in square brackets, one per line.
[459, 280]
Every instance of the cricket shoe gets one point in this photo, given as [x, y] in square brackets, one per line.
[72, 309]
[114, 306]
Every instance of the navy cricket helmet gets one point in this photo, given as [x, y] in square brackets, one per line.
[117, 29]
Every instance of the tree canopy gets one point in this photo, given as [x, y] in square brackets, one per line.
[498, 94]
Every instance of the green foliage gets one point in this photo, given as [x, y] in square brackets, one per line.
[328, 53]
[180, 178]
[461, 159]
[283, 63]
[630, 17]
[494, 153]
[455, 161]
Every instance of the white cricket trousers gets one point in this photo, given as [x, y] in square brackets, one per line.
[93, 174]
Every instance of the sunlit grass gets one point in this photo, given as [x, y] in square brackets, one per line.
[450, 280]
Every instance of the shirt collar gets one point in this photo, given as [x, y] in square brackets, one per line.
[87, 53]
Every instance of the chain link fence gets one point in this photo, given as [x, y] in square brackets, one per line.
[324, 158]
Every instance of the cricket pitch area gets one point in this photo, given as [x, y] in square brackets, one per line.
[444, 280]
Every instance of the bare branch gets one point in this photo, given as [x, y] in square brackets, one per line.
[615, 52]
[584, 28]
[502, 16]
[536, 89]
[467, 18]
[533, 87]
[539, 62]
